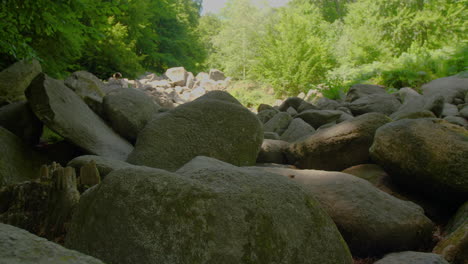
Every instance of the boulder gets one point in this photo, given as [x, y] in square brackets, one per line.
[202, 76]
[434, 104]
[178, 76]
[372, 222]
[327, 104]
[464, 112]
[296, 130]
[64, 112]
[407, 93]
[428, 155]
[338, 147]
[306, 106]
[262, 107]
[265, 115]
[380, 103]
[278, 123]
[416, 115]
[361, 90]
[291, 111]
[162, 99]
[374, 174]
[449, 110]
[103, 164]
[271, 135]
[18, 246]
[448, 87]
[15, 79]
[197, 92]
[85, 84]
[21, 121]
[18, 162]
[317, 118]
[206, 126]
[457, 120]
[190, 80]
[207, 212]
[217, 75]
[294, 102]
[412, 257]
[208, 85]
[460, 218]
[272, 151]
[128, 111]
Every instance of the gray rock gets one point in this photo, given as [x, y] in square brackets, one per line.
[327, 104]
[21, 121]
[85, 84]
[317, 118]
[427, 155]
[434, 104]
[449, 87]
[202, 76]
[177, 75]
[380, 103]
[215, 128]
[457, 120]
[278, 123]
[291, 111]
[64, 112]
[162, 99]
[371, 221]
[209, 212]
[18, 162]
[464, 112]
[15, 79]
[272, 151]
[271, 135]
[217, 75]
[220, 95]
[449, 110]
[360, 90]
[104, 165]
[304, 106]
[294, 102]
[339, 147]
[18, 246]
[411, 257]
[128, 111]
[263, 107]
[190, 80]
[297, 129]
[407, 93]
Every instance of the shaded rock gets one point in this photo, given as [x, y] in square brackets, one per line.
[327, 104]
[18, 162]
[177, 75]
[128, 111]
[430, 155]
[449, 110]
[296, 130]
[272, 151]
[372, 222]
[162, 99]
[457, 120]
[19, 246]
[217, 75]
[104, 165]
[464, 112]
[65, 113]
[360, 90]
[265, 115]
[339, 147]
[418, 104]
[271, 135]
[291, 111]
[215, 128]
[15, 79]
[85, 84]
[21, 121]
[220, 95]
[412, 257]
[449, 87]
[407, 93]
[374, 174]
[263, 107]
[278, 123]
[416, 115]
[293, 102]
[209, 212]
[304, 106]
[345, 116]
[460, 218]
[380, 103]
[317, 118]
[454, 247]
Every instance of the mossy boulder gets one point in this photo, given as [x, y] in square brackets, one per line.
[128, 111]
[361, 90]
[207, 212]
[449, 87]
[278, 123]
[65, 112]
[85, 84]
[21, 121]
[18, 246]
[18, 162]
[412, 257]
[296, 130]
[208, 127]
[15, 79]
[425, 155]
[273, 151]
[371, 221]
[380, 103]
[338, 147]
[317, 118]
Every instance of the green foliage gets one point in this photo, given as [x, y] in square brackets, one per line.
[252, 94]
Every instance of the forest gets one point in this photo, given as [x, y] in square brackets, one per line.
[308, 44]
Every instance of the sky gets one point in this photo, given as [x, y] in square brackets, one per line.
[215, 6]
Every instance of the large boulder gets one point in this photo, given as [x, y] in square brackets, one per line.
[380, 103]
[64, 112]
[15, 79]
[265, 115]
[21, 121]
[361, 90]
[317, 118]
[207, 212]
[177, 75]
[18, 246]
[338, 147]
[296, 130]
[448, 87]
[293, 102]
[128, 111]
[371, 221]
[427, 155]
[272, 151]
[278, 123]
[85, 84]
[216, 128]
[417, 104]
[18, 162]
[412, 257]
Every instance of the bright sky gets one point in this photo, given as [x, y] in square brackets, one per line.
[215, 6]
